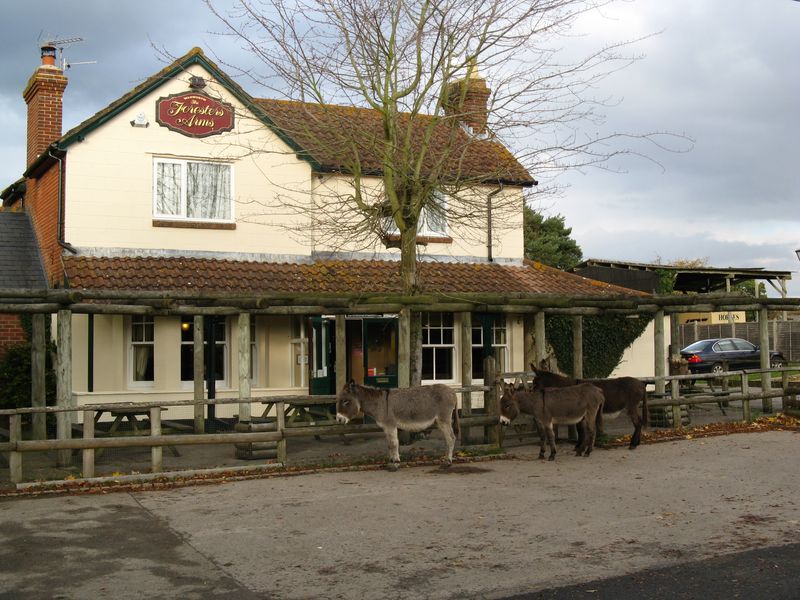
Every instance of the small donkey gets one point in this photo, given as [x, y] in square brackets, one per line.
[410, 409]
[555, 406]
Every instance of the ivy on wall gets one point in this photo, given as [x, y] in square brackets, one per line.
[605, 338]
[15, 371]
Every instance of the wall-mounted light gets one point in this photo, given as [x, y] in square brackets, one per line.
[185, 326]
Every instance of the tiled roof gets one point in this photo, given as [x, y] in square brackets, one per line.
[20, 262]
[314, 131]
[332, 134]
[324, 277]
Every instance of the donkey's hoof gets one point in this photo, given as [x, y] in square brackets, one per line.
[552, 457]
[392, 467]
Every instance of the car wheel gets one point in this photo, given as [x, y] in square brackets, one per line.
[776, 363]
[717, 368]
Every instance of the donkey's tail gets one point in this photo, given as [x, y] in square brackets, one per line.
[456, 424]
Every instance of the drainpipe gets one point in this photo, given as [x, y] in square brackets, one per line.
[491, 195]
[60, 227]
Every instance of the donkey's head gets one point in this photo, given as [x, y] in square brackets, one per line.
[348, 403]
[509, 405]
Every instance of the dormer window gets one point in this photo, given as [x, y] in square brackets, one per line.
[192, 190]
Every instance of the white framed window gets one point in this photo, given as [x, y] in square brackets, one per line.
[499, 335]
[220, 355]
[192, 190]
[142, 350]
[432, 219]
[438, 347]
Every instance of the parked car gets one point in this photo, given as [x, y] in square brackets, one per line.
[708, 356]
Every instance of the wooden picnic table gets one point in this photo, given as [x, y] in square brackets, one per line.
[132, 414]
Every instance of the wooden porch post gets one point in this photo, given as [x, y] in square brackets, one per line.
[244, 367]
[577, 346]
[64, 383]
[88, 453]
[491, 403]
[341, 352]
[404, 349]
[198, 376]
[660, 357]
[466, 369]
[540, 341]
[674, 359]
[763, 342]
[529, 350]
[38, 388]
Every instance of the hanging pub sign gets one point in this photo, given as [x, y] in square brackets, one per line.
[194, 114]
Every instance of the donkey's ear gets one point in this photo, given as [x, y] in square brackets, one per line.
[352, 384]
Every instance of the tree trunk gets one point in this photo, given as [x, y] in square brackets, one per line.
[409, 277]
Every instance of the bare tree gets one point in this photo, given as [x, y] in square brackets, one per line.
[423, 69]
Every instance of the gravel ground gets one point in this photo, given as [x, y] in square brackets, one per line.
[478, 530]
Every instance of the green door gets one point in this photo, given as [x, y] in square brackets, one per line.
[322, 378]
[380, 352]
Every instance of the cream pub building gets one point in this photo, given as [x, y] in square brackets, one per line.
[165, 189]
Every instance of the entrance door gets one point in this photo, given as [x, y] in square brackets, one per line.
[322, 377]
[380, 352]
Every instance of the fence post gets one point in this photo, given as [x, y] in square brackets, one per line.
[245, 359]
[747, 415]
[38, 387]
[577, 347]
[64, 384]
[156, 452]
[88, 453]
[280, 416]
[491, 402]
[763, 342]
[198, 375]
[540, 339]
[14, 457]
[675, 392]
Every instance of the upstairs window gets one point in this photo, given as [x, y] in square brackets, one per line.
[192, 190]
[432, 219]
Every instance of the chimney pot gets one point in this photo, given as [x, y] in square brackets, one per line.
[49, 55]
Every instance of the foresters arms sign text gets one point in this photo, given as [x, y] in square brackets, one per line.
[193, 114]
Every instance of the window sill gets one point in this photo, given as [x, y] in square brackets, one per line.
[192, 224]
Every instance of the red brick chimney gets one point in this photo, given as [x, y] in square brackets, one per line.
[468, 100]
[43, 95]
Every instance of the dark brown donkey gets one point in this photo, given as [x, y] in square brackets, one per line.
[555, 406]
[621, 393]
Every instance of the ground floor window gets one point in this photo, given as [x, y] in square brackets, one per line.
[142, 349]
[438, 346]
[187, 349]
[498, 341]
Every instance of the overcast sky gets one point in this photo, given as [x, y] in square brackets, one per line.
[724, 72]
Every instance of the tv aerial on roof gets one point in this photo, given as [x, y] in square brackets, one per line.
[60, 44]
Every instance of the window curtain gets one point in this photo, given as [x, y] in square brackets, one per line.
[208, 194]
[168, 188]
[142, 363]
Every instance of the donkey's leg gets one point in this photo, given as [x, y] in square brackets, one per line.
[542, 437]
[590, 433]
[450, 439]
[551, 437]
[394, 448]
[583, 434]
[633, 413]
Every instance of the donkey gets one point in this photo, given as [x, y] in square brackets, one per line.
[555, 406]
[410, 409]
[621, 393]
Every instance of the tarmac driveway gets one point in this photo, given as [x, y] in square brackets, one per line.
[487, 529]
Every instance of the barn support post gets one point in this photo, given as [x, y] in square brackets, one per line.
[540, 340]
[491, 403]
[674, 362]
[577, 346]
[64, 384]
[466, 370]
[341, 352]
[38, 375]
[763, 342]
[198, 375]
[14, 457]
[660, 356]
[244, 367]
[156, 452]
[88, 453]
[404, 349]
